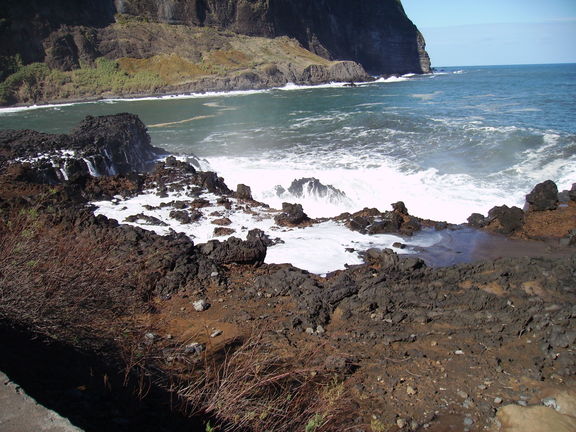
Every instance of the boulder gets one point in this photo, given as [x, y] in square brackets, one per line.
[244, 192]
[389, 222]
[210, 181]
[234, 250]
[400, 207]
[311, 186]
[543, 197]
[572, 192]
[292, 215]
[505, 220]
[476, 220]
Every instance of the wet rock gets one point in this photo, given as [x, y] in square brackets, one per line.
[389, 222]
[385, 257]
[543, 197]
[223, 231]
[313, 187]
[292, 215]
[505, 220]
[358, 223]
[222, 222]
[244, 192]
[181, 216]
[144, 219]
[209, 180]
[107, 145]
[400, 207]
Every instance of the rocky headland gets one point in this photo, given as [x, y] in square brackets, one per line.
[413, 341]
[76, 50]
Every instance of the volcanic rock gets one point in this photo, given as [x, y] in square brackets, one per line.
[292, 215]
[313, 187]
[544, 196]
[505, 220]
[243, 192]
[234, 250]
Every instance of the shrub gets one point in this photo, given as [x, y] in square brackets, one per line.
[24, 85]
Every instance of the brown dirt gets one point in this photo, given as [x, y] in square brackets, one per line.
[549, 224]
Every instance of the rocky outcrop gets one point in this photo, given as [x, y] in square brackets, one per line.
[311, 186]
[544, 196]
[292, 215]
[107, 145]
[376, 34]
[399, 221]
[234, 250]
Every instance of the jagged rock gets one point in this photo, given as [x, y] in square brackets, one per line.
[505, 220]
[312, 186]
[222, 222]
[389, 222]
[181, 216]
[234, 250]
[476, 220]
[210, 181]
[292, 215]
[114, 144]
[544, 196]
[144, 219]
[572, 192]
[400, 207]
[358, 223]
[384, 257]
[244, 192]
[223, 231]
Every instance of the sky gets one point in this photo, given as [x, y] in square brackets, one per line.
[493, 32]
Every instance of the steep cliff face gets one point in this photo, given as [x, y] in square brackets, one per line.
[73, 49]
[375, 33]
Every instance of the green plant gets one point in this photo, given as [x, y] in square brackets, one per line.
[25, 84]
[314, 423]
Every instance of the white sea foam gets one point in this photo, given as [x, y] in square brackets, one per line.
[300, 245]
[11, 110]
[426, 193]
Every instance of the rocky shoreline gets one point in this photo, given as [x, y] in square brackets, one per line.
[394, 342]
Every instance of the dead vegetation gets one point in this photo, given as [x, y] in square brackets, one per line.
[71, 287]
[70, 290]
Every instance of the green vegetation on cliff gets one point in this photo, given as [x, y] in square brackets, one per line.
[152, 58]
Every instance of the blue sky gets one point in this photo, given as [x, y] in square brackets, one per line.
[490, 32]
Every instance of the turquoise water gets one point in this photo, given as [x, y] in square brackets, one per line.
[449, 144]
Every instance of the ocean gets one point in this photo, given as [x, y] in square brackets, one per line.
[459, 141]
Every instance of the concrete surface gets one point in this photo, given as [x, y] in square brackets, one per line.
[20, 413]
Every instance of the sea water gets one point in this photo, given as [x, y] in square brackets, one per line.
[448, 144]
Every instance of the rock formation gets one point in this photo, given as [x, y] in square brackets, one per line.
[207, 45]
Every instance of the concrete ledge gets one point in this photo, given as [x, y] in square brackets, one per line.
[20, 413]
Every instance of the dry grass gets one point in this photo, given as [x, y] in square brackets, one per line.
[56, 281]
[67, 288]
[171, 68]
[251, 386]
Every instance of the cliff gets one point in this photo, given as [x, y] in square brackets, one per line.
[127, 47]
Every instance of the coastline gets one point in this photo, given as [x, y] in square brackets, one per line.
[209, 92]
[358, 329]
